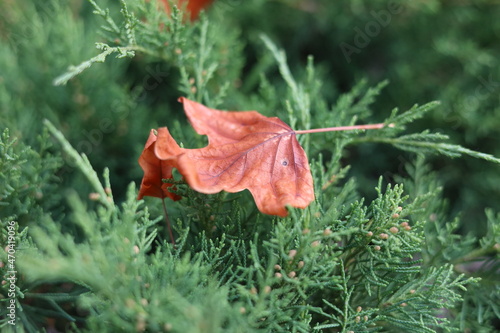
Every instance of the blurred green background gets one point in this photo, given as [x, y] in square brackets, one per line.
[446, 50]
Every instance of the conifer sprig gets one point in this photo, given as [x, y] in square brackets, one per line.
[83, 163]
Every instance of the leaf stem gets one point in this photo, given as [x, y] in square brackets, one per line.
[167, 220]
[345, 128]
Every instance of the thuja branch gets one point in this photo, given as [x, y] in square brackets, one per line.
[475, 255]
[417, 144]
[82, 162]
[105, 15]
[127, 51]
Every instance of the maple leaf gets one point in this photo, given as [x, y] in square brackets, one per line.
[154, 171]
[245, 150]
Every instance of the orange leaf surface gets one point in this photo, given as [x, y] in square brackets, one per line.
[154, 171]
[246, 150]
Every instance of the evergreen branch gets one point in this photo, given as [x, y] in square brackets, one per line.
[413, 307]
[60, 296]
[82, 162]
[280, 57]
[107, 50]
[409, 116]
[105, 15]
[204, 50]
[474, 255]
[130, 22]
[356, 103]
[60, 310]
[300, 97]
[126, 32]
[426, 142]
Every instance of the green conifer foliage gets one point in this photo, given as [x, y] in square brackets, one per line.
[381, 248]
